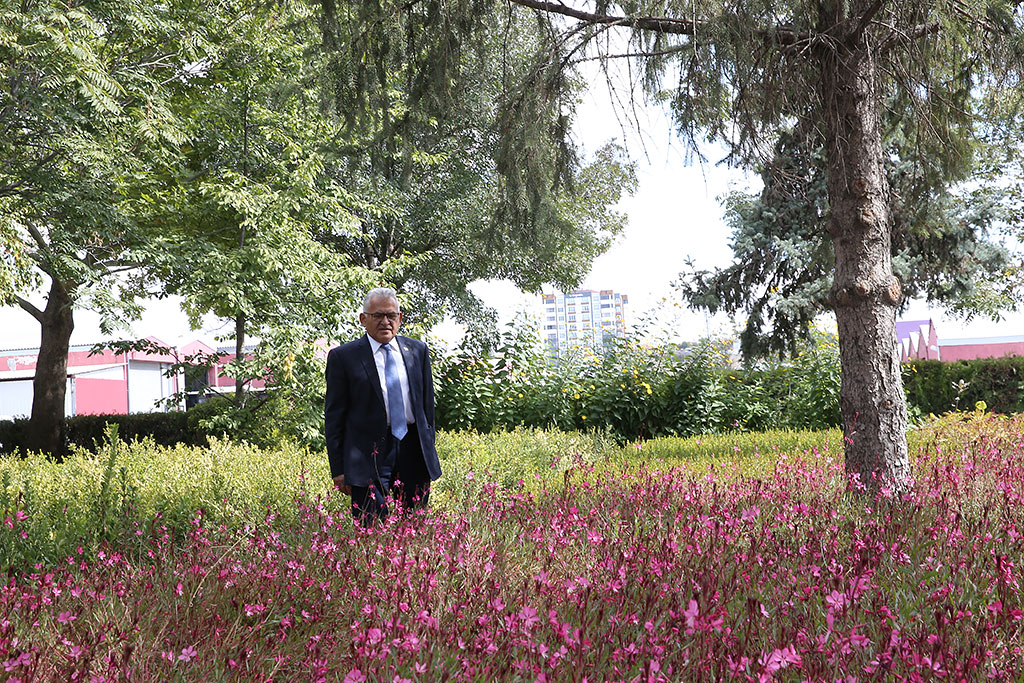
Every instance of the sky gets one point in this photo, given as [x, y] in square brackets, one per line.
[674, 215]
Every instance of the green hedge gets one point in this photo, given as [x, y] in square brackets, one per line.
[87, 431]
[936, 387]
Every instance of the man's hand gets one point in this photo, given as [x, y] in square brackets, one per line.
[339, 483]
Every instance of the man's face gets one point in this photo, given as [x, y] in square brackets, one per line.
[377, 319]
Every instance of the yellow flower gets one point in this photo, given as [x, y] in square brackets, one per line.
[981, 406]
[584, 417]
[576, 396]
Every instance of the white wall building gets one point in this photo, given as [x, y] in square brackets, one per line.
[102, 383]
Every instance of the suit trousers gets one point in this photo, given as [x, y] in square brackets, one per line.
[402, 476]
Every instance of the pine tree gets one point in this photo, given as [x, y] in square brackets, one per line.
[748, 70]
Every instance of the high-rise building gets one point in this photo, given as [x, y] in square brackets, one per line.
[585, 318]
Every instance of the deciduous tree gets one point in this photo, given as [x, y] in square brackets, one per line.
[462, 164]
[242, 206]
[81, 119]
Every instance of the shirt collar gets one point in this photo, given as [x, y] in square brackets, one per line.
[375, 345]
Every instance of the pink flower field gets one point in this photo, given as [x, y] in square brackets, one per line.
[642, 573]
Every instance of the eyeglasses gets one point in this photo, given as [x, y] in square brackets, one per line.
[377, 315]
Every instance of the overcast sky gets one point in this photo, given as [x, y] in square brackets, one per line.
[674, 215]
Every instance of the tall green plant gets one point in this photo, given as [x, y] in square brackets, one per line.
[637, 390]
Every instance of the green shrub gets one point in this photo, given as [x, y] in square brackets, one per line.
[106, 496]
[937, 387]
[166, 429]
[123, 492]
[13, 434]
[636, 391]
[508, 459]
[89, 431]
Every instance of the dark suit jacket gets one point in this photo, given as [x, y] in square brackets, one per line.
[355, 419]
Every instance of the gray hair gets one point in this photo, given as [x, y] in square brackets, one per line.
[380, 293]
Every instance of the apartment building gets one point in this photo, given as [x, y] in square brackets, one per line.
[584, 318]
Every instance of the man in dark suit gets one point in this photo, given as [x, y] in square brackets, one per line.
[379, 414]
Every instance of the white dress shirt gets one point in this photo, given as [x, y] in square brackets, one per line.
[403, 376]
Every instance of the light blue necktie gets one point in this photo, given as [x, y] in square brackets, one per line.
[396, 405]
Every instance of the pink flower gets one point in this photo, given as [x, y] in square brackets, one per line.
[836, 600]
[690, 614]
[187, 654]
[14, 662]
[355, 676]
[736, 667]
[66, 617]
[858, 639]
[529, 617]
[778, 659]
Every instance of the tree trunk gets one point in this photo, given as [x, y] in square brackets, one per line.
[239, 351]
[46, 424]
[865, 293]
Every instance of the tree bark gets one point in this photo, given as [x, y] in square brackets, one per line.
[239, 351]
[865, 293]
[47, 424]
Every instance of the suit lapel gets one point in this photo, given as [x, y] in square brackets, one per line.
[412, 370]
[370, 368]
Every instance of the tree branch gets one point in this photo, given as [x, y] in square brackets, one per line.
[27, 306]
[910, 36]
[685, 27]
[113, 267]
[659, 24]
[37, 236]
[659, 53]
[865, 20]
[14, 187]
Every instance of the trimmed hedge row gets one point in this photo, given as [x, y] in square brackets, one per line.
[87, 431]
[936, 387]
